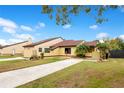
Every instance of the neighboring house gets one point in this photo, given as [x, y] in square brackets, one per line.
[13, 49]
[41, 47]
[65, 48]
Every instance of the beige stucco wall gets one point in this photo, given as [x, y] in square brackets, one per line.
[28, 52]
[35, 49]
[0, 51]
[88, 54]
[19, 49]
[61, 51]
[95, 54]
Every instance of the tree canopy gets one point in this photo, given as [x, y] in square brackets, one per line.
[62, 13]
[115, 44]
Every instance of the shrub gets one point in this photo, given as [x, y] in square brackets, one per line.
[81, 50]
[103, 48]
[41, 55]
[34, 57]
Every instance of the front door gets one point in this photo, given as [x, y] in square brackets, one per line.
[67, 50]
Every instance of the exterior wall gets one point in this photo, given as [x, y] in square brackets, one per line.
[0, 51]
[35, 49]
[55, 52]
[88, 54]
[61, 51]
[18, 48]
[28, 52]
[94, 54]
[47, 45]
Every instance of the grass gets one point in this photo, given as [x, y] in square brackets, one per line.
[108, 74]
[8, 56]
[17, 64]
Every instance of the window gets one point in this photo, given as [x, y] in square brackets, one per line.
[67, 50]
[47, 50]
[40, 49]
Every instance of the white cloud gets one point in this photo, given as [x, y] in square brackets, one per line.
[9, 30]
[3, 42]
[67, 26]
[11, 41]
[40, 25]
[122, 8]
[94, 27]
[8, 25]
[24, 36]
[102, 35]
[26, 28]
[121, 36]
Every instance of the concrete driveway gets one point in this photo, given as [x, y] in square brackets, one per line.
[18, 77]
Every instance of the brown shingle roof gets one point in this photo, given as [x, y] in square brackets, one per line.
[40, 42]
[91, 43]
[13, 44]
[0, 46]
[67, 43]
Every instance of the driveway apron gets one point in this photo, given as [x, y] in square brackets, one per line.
[18, 77]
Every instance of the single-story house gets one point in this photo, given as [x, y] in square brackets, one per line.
[65, 48]
[13, 49]
[41, 47]
[59, 47]
[68, 48]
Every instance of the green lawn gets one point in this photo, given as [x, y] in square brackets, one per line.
[16, 64]
[8, 56]
[84, 75]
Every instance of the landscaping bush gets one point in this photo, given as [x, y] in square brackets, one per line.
[104, 49]
[42, 55]
[34, 57]
[81, 50]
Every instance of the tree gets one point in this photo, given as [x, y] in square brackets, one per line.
[81, 50]
[62, 13]
[116, 44]
[103, 48]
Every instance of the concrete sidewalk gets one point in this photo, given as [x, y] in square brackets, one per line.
[10, 59]
[18, 77]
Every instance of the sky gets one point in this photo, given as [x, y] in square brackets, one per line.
[19, 23]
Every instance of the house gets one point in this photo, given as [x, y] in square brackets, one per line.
[59, 47]
[41, 47]
[13, 49]
[0, 48]
[65, 48]
[68, 48]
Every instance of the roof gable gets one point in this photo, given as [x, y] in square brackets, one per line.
[67, 43]
[91, 43]
[43, 41]
[13, 44]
